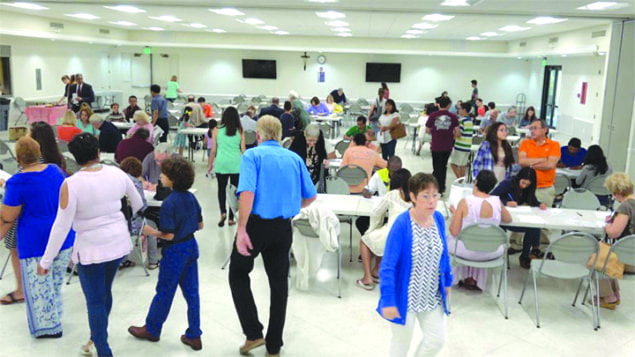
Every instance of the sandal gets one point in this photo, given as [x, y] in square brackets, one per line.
[87, 349]
[12, 299]
[361, 284]
[231, 222]
[152, 266]
[375, 279]
[221, 223]
[127, 264]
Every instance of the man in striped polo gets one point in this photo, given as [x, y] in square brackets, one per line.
[463, 143]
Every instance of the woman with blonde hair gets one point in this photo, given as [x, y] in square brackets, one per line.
[67, 130]
[172, 89]
[30, 202]
[330, 103]
[83, 122]
[619, 225]
[142, 120]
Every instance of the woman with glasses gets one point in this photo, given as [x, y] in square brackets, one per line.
[477, 208]
[415, 274]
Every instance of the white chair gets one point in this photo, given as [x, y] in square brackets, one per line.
[7, 159]
[325, 128]
[71, 165]
[571, 252]
[250, 137]
[232, 200]
[625, 250]
[304, 227]
[362, 102]
[485, 239]
[580, 199]
[156, 135]
[341, 147]
[353, 175]
[596, 186]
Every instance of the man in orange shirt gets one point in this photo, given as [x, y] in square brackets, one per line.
[362, 156]
[207, 109]
[542, 154]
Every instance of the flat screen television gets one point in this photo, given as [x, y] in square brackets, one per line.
[255, 68]
[383, 72]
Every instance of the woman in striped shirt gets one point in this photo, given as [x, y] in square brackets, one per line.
[463, 142]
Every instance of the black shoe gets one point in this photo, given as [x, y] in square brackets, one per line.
[53, 335]
[536, 254]
[512, 251]
[525, 263]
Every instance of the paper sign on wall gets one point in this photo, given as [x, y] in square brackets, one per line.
[321, 75]
[583, 93]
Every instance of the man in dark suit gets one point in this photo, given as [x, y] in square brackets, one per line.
[273, 110]
[80, 92]
[109, 135]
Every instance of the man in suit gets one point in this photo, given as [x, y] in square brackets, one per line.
[109, 135]
[273, 110]
[80, 92]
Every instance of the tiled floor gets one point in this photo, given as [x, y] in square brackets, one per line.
[320, 324]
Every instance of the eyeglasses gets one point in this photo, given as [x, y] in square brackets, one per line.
[532, 128]
[434, 196]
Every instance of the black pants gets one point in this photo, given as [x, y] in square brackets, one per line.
[362, 223]
[165, 126]
[272, 238]
[388, 149]
[530, 240]
[222, 196]
[440, 167]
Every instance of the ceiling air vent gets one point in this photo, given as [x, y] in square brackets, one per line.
[553, 40]
[56, 25]
[596, 34]
[522, 44]
[104, 31]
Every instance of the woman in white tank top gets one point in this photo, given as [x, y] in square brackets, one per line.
[478, 208]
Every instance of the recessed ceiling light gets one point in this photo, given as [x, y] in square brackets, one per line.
[122, 23]
[473, 38]
[83, 16]
[437, 17]
[414, 32]
[197, 25]
[603, 5]
[337, 23]
[545, 20]
[217, 30]
[424, 26]
[519, 57]
[228, 11]
[166, 18]
[330, 14]
[408, 36]
[126, 8]
[281, 33]
[455, 3]
[323, 1]
[563, 55]
[340, 29]
[155, 28]
[268, 28]
[345, 34]
[489, 34]
[26, 6]
[513, 28]
[251, 21]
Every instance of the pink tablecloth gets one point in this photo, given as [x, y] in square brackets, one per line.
[47, 114]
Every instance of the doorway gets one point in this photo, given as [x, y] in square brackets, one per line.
[550, 95]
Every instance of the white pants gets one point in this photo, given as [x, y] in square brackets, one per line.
[433, 327]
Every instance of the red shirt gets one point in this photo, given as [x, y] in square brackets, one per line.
[441, 124]
[207, 110]
[67, 132]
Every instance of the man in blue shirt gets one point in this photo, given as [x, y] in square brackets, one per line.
[572, 156]
[268, 201]
[274, 109]
[338, 96]
[159, 110]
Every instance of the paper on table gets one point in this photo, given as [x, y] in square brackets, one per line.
[4, 175]
[520, 209]
[529, 219]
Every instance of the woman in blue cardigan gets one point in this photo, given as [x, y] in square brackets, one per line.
[415, 274]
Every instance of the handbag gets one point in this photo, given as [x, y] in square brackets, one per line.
[399, 131]
[374, 117]
[614, 268]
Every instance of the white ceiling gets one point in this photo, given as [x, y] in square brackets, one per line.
[369, 19]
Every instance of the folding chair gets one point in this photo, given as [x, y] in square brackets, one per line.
[596, 186]
[571, 252]
[286, 142]
[341, 147]
[304, 227]
[7, 158]
[71, 165]
[250, 137]
[625, 250]
[561, 185]
[580, 199]
[325, 128]
[485, 239]
[4, 267]
[353, 175]
[232, 200]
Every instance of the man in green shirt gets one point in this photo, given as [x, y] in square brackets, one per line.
[360, 128]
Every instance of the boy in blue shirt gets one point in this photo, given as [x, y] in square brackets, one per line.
[572, 156]
[180, 218]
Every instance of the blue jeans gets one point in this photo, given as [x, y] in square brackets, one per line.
[96, 280]
[178, 267]
[388, 149]
[530, 240]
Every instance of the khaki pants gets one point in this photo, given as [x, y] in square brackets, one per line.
[545, 195]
